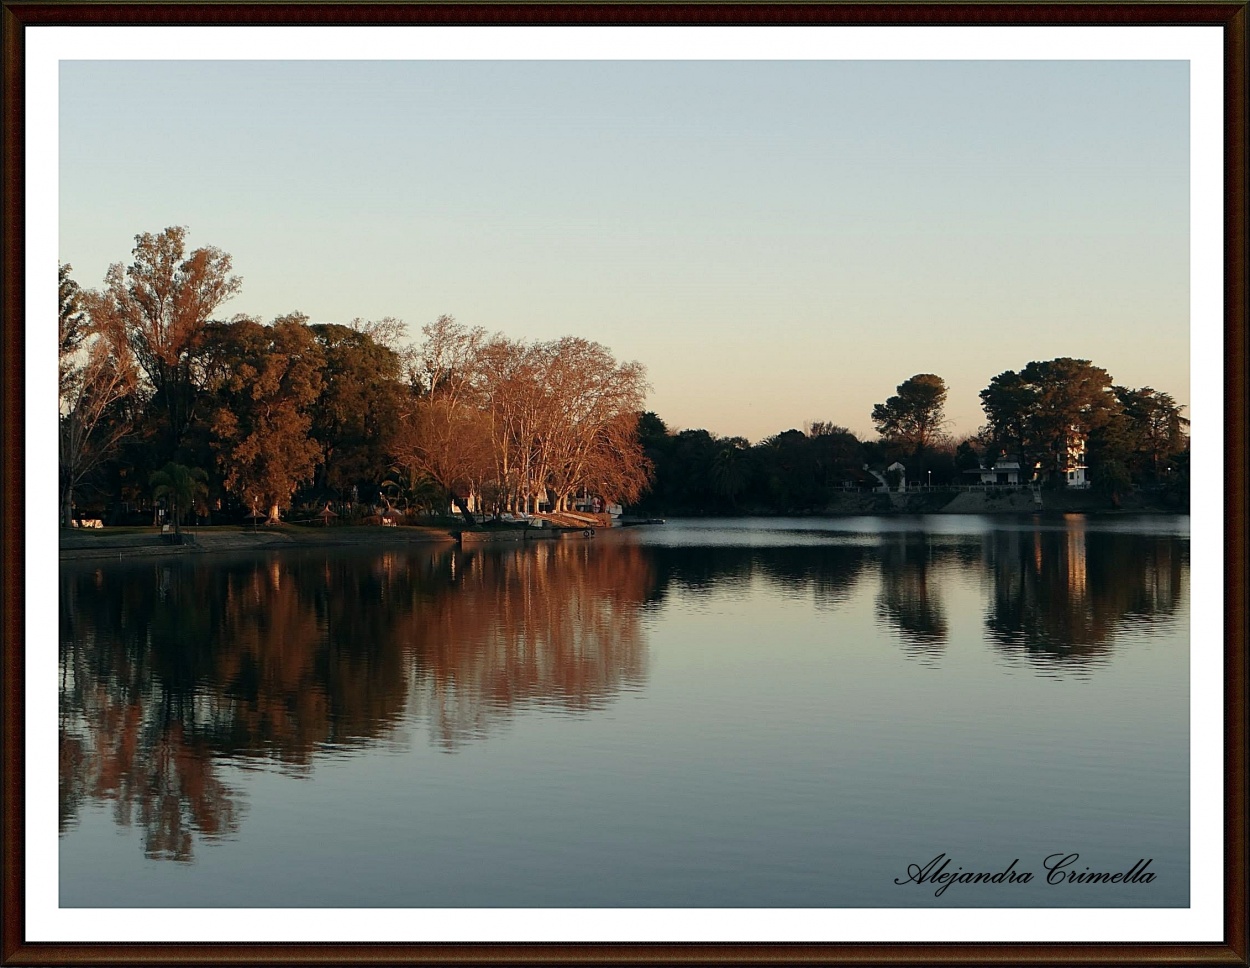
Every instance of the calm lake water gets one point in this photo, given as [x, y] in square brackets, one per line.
[743, 713]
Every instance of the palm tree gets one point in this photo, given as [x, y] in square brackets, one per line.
[415, 492]
[397, 485]
[182, 485]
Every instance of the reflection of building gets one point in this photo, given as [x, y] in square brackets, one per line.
[1075, 561]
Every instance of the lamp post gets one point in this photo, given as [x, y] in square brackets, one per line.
[930, 473]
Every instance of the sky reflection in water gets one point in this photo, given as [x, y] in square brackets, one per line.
[755, 713]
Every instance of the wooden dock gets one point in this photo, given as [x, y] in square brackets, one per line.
[492, 535]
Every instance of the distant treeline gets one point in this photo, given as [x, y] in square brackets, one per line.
[1040, 418]
[165, 406]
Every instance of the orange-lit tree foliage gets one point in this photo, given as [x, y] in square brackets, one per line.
[158, 306]
[265, 380]
[516, 423]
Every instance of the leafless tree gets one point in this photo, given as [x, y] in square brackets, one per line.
[95, 376]
[520, 420]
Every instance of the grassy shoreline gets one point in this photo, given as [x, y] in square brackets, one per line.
[131, 542]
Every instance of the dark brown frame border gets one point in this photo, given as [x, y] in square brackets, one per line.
[16, 15]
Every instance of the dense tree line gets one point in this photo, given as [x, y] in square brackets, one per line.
[794, 471]
[1128, 438]
[161, 400]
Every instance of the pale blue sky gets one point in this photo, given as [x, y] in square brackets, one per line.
[776, 242]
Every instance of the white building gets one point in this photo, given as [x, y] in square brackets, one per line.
[1005, 470]
[1074, 468]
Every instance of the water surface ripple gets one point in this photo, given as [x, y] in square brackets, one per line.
[743, 713]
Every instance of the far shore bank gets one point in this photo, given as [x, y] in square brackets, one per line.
[1008, 501]
[133, 542]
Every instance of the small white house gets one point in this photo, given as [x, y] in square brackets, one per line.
[881, 486]
[1006, 470]
[902, 474]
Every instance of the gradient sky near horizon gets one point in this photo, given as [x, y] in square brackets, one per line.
[776, 241]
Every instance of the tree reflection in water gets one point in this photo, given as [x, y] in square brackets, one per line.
[1058, 596]
[909, 600]
[171, 670]
[553, 622]
[828, 573]
[168, 668]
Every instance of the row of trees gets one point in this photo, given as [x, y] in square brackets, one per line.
[158, 393]
[155, 391]
[1039, 414]
[797, 470]
[1131, 435]
[522, 425]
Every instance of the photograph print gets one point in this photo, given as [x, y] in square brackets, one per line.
[624, 484]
